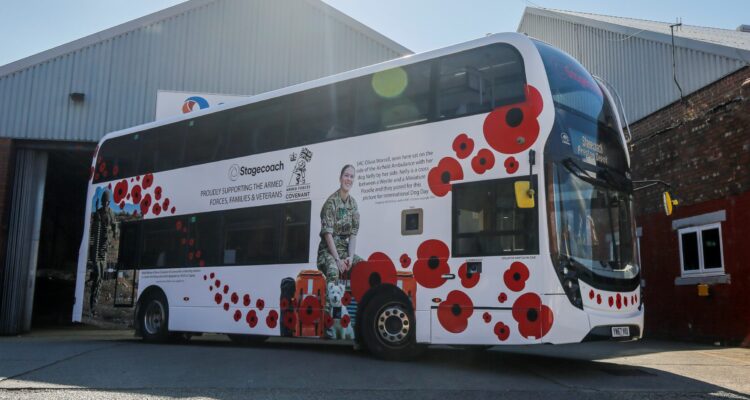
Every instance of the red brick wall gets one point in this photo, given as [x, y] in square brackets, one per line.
[702, 147]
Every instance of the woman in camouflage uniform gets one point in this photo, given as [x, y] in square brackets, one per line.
[339, 220]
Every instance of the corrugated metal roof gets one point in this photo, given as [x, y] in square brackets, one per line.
[211, 46]
[636, 59]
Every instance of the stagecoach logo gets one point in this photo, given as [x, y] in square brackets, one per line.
[234, 172]
[299, 187]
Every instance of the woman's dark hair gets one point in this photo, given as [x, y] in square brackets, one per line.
[344, 169]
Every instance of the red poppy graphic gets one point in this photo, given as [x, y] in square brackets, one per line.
[122, 205]
[284, 303]
[226, 306]
[172, 210]
[235, 298]
[618, 301]
[328, 321]
[455, 311]
[514, 128]
[309, 310]
[212, 275]
[625, 300]
[115, 170]
[138, 178]
[345, 320]
[611, 301]
[598, 299]
[246, 300]
[237, 315]
[156, 209]
[205, 277]
[259, 304]
[201, 263]
[515, 277]
[511, 165]
[346, 299]
[502, 298]
[121, 190]
[217, 298]
[502, 331]
[178, 225]
[217, 283]
[105, 173]
[487, 317]
[483, 161]
[432, 263]
[272, 318]
[463, 145]
[109, 187]
[591, 294]
[367, 274]
[135, 192]
[468, 279]
[165, 204]
[102, 167]
[534, 318]
[252, 318]
[148, 179]
[404, 260]
[157, 193]
[440, 177]
[96, 177]
[290, 319]
[198, 254]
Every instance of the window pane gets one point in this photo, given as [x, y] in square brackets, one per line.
[479, 80]
[161, 244]
[251, 236]
[321, 114]
[690, 251]
[711, 248]
[128, 248]
[162, 148]
[296, 238]
[204, 137]
[204, 243]
[257, 128]
[117, 158]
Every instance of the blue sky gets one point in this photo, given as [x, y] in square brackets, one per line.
[28, 27]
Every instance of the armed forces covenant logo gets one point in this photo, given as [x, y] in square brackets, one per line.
[299, 187]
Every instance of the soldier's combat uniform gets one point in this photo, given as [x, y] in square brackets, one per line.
[103, 231]
[340, 219]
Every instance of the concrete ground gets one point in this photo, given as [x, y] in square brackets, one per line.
[89, 363]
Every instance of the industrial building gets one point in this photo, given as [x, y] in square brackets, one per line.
[55, 106]
[686, 93]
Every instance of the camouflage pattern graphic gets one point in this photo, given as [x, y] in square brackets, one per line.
[103, 232]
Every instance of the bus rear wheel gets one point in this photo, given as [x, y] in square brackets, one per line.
[388, 330]
[153, 316]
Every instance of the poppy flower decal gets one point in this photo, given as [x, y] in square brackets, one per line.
[284, 303]
[432, 263]
[235, 298]
[309, 310]
[218, 298]
[468, 279]
[328, 321]
[454, 312]
[463, 145]
[534, 318]
[148, 180]
[157, 193]
[156, 209]
[272, 319]
[502, 298]
[440, 177]
[252, 318]
[346, 299]
[367, 274]
[121, 190]
[245, 300]
[487, 317]
[511, 165]
[515, 277]
[502, 331]
[135, 193]
[483, 161]
[259, 304]
[514, 128]
[289, 319]
[345, 320]
[404, 260]
[237, 315]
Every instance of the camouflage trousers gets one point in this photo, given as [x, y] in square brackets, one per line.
[96, 277]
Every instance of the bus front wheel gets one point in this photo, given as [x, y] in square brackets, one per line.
[388, 330]
[153, 317]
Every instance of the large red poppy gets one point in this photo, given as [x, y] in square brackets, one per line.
[463, 145]
[534, 318]
[502, 331]
[148, 179]
[514, 128]
[468, 279]
[483, 161]
[455, 311]
[135, 193]
[345, 320]
[252, 318]
[346, 299]
[515, 277]
[440, 177]
[309, 310]
[289, 319]
[121, 190]
[432, 263]
[367, 274]
[272, 319]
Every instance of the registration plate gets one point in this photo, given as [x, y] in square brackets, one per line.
[620, 331]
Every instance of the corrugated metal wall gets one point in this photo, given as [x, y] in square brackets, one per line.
[226, 46]
[640, 69]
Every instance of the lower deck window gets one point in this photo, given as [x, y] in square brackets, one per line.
[701, 250]
[486, 221]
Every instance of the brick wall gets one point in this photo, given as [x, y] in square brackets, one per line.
[702, 147]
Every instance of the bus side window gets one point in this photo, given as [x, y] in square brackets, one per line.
[296, 233]
[128, 251]
[203, 139]
[257, 128]
[321, 114]
[161, 244]
[118, 158]
[478, 80]
[204, 250]
[251, 236]
[162, 148]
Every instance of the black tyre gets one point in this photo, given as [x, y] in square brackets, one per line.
[247, 340]
[388, 329]
[153, 318]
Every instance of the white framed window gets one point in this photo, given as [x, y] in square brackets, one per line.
[701, 250]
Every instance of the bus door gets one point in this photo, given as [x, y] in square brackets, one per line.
[126, 272]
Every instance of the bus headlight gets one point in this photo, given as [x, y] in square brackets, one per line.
[569, 279]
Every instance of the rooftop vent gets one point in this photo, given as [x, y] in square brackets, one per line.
[744, 28]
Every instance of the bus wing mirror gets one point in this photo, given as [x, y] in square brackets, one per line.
[668, 203]
[524, 194]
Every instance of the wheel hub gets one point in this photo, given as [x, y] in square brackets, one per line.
[393, 324]
[153, 318]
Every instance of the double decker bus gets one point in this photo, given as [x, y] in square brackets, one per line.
[474, 195]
